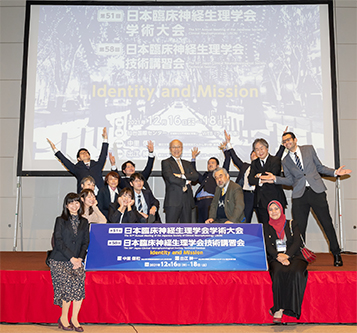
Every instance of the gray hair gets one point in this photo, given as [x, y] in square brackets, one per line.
[219, 169]
[262, 141]
[90, 178]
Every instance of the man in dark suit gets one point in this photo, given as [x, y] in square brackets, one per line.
[128, 168]
[302, 169]
[228, 203]
[146, 205]
[205, 193]
[264, 192]
[85, 166]
[244, 170]
[178, 175]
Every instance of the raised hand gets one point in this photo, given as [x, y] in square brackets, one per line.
[150, 146]
[105, 134]
[223, 145]
[51, 144]
[112, 159]
[227, 136]
[195, 152]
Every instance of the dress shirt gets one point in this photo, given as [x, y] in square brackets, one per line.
[112, 193]
[143, 202]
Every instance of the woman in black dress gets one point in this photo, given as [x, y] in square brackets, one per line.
[287, 267]
[123, 210]
[71, 240]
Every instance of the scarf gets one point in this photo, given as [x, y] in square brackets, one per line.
[278, 224]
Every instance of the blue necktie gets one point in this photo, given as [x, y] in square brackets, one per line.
[140, 205]
[298, 162]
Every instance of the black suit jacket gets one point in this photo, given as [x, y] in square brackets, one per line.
[268, 192]
[66, 244]
[174, 185]
[151, 201]
[293, 241]
[206, 181]
[114, 215]
[103, 199]
[79, 170]
[125, 182]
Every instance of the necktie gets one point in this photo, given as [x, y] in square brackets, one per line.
[182, 172]
[262, 163]
[140, 204]
[222, 191]
[298, 162]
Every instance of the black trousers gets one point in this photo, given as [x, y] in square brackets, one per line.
[203, 209]
[248, 205]
[181, 213]
[318, 202]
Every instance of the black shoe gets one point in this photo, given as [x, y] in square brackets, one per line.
[337, 260]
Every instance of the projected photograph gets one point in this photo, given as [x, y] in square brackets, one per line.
[165, 72]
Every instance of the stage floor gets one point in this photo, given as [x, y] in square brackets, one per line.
[175, 298]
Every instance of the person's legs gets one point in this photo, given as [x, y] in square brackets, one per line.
[64, 315]
[75, 311]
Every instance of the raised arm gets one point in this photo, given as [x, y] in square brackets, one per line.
[150, 163]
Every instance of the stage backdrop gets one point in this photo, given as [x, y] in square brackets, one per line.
[161, 71]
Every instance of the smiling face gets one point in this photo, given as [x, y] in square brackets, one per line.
[126, 197]
[73, 207]
[112, 181]
[88, 184]
[212, 164]
[129, 169]
[83, 156]
[290, 143]
[137, 185]
[274, 211]
[260, 150]
[176, 148]
[89, 200]
[221, 178]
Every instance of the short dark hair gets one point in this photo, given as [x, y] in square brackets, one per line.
[123, 166]
[84, 193]
[214, 158]
[70, 197]
[262, 141]
[85, 149]
[137, 175]
[113, 174]
[291, 133]
[126, 190]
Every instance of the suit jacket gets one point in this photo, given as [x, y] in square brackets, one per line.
[174, 185]
[206, 181]
[151, 201]
[268, 192]
[80, 170]
[114, 215]
[233, 203]
[125, 182]
[242, 166]
[68, 245]
[312, 169]
[293, 241]
[103, 199]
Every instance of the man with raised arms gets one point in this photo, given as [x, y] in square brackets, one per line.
[85, 166]
[302, 169]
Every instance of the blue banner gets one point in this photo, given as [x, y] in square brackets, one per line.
[176, 247]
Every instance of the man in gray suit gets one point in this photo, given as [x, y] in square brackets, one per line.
[302, 169]
[228, 202]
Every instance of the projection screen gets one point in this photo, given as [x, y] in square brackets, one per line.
[165, 71]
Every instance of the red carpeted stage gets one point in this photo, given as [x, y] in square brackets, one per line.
[175, 297]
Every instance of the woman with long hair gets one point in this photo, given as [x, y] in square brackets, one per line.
[71, 240]
[90, 209]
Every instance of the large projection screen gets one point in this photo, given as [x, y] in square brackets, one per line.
[181, 70]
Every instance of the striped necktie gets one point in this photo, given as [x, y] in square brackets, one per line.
[298, 162]
[140, 204]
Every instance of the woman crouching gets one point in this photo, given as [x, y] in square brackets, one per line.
[71, 239]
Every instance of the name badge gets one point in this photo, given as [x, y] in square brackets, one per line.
[280, 245]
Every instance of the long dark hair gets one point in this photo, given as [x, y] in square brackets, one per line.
[70, 197]
[83, 195]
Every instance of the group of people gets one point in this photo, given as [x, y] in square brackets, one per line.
[129, 199]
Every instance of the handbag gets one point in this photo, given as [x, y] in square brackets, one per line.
[308, 255]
